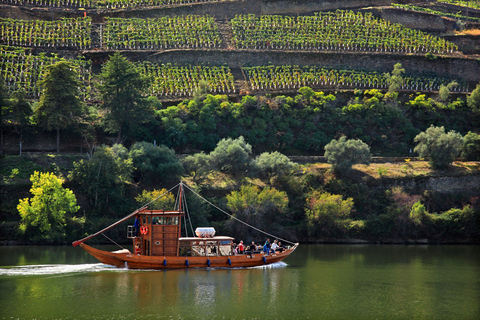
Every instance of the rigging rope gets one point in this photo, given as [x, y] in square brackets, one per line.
[188, 215]
[103, 234]
[233, 217]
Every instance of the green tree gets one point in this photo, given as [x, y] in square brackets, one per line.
[263, 209]
[155, 164]
[197, 165]
[444, 91]
[473, 100]
[156, 199]
[342, 154]
[5, 111]
[325, 212]
[471, 147]
[122, 90]
[395, 80]
[232, 156]
[21, 112]
[44, 215]
[59, 106]
[273, 164]
[441, 148]
[102, 178]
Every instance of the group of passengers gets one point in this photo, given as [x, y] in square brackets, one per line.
[267, 248]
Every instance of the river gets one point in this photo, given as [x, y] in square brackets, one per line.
[315, 282]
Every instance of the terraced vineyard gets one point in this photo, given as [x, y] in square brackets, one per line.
[209, 47]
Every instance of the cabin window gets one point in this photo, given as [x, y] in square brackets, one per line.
[175, 220]
[161, 220]
[144, 220]
[225, 248]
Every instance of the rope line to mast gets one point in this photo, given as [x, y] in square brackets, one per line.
[235, 218]
[103, 234]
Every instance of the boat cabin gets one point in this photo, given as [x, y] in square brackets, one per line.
[158, 233]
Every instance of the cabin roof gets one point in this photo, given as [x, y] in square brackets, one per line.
[217, 238]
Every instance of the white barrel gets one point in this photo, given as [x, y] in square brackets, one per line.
[206, 232]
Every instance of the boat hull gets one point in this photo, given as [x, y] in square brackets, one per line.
[132, 261]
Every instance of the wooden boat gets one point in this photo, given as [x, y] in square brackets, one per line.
[158, 244]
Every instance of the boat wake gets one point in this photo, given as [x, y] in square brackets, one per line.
[275, 265]
[54, 269]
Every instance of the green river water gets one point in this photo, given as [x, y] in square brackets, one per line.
[315, 282]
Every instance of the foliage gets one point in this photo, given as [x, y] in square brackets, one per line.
[441, 148]
[44, 215]
[101, 179]
[59, 106]
[471, 147]
[395, 80]
[272, 164]
[159, 199]
[232, 156]
[444, 91]
[342, 154]
[338, 30]
[325, 212]
[263, 209]
[197, 165]
[121, 91]
[473, 100]
[155, 164]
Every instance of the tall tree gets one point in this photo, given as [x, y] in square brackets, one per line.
[21, 112]
[60, 106]
[5, 111]
[122, 92]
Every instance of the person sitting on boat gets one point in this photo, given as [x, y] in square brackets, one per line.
[274, 246]
[137, 249]
[266, 247]
[251, 249]
[241, 247]
[235, 249]
[281, 247]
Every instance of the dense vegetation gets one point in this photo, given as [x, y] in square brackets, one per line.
[236, 144]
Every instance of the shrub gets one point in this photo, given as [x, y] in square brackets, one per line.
[473, 100]
[232, 156]
[342, 154]
[156, 199]
[273, 164]
[44, 215]
[471, 147]
[440, 147]
[324, 213]
[155, 164]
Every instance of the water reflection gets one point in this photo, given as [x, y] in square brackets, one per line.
[317, 281]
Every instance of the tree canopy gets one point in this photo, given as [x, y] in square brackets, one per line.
[59, 106]
[342, 154]
[44, 215]
[440, 147]
[122, 92]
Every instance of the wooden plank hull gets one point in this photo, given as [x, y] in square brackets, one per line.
[132, 261]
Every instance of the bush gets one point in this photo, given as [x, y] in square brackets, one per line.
[232, 156]
[471, 147]
[325, 212]
[102, 179]
[442, 148]
[197, 165]
[272, 164]
[156, 199]
[342, 154]
[155, 164]
[263, 209]
[473, 100]
[44, 215]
